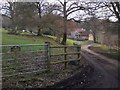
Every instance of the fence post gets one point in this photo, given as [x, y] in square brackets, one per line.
[78, 50]
[16, 50]
[48, 55]
[65, 56]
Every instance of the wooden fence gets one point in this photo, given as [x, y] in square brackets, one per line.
[65, 54]
[34, 60]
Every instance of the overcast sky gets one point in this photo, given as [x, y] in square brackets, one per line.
[76, 15]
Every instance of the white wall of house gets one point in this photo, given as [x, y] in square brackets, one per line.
[90, 37]
[74, 35]
[84, 37]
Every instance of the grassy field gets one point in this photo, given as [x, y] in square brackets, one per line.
[70, 41]
[32, 39]
[24, 39]
[28, 38]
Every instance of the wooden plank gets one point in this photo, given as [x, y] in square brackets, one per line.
[65, 54]
[23, 73]
[36, 57]
[62, 46]
[21, 66]
[23, 45]
[25, 52]
[64, 61]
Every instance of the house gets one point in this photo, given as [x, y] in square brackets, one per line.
[79, 34]
[75, 32]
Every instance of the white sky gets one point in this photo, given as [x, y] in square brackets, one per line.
[53, 1]
[82, 12]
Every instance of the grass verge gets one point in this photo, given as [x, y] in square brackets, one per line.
[105, 50]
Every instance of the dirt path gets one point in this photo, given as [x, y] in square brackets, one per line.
[101, 72]
[105, 70]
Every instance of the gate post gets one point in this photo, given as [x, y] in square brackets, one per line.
[48, 55]
[78, 50]
[65, 56]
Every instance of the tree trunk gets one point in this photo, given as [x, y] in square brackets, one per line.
[94, 38]
[64, 39]
[65, 32]
[39, 12]
[65, 24]
[39, 32]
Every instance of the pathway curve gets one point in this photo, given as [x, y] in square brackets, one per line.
[105, 69]
[101, 72]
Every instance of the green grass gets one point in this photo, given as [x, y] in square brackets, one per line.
[105, 50]
[70, 41]
[82, 43]
[24, 39]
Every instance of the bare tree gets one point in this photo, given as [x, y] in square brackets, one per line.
[68, 10]
[114, 7]
[41, 7]
[96, 11]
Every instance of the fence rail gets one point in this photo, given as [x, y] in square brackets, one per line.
[65, 54]
[23, 45]
[65, 46]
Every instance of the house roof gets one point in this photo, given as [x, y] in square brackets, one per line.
[84, 33]
[81, 31]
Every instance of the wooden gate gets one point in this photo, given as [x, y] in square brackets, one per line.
[35, 58]
[23, 59]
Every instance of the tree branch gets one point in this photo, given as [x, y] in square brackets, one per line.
[72, 8]
[78, 21]
[118, 6]
[115, 11]
[58, 10]
[69, 8]
[80, 8]
[61, 3]
[108, 7]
